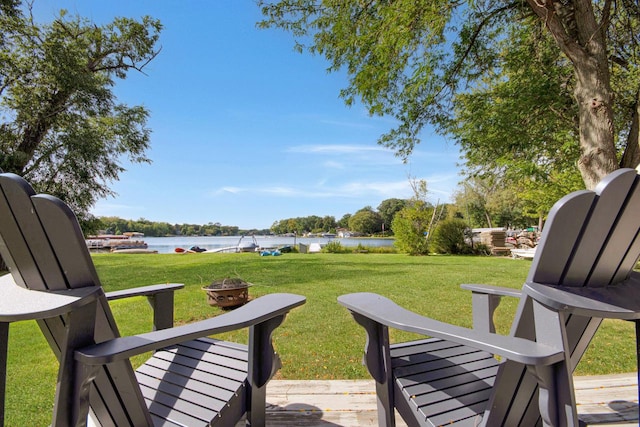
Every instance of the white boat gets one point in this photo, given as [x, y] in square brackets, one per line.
[315, 248]
[251, 246]
[134, 251]
[225, 250]
[109, 242]
[527, 253]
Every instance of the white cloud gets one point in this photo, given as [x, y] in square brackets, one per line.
[282, 191]
[350, 124]
[335, 149]
[387, 189]
[439, 185]
[233, 190]
[333, 165]
[435, 179]
[114, 209]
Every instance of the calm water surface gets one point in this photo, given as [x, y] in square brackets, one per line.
[169, 244]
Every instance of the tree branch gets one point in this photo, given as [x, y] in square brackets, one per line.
[476, 34]
[546, 12]
[606, 15]
[40, 159]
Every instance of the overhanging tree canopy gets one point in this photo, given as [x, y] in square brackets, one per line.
[411, 59]
[61, 126]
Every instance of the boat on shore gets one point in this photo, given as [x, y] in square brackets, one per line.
[526, 253]
[114, 242]
[241, 246]
[191, 250]
[225, 250]
[134, 251]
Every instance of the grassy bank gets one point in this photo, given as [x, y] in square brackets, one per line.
[318, 340]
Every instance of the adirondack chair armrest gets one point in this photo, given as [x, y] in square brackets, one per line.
[387, 313]
[492, 290]
[160, 298]
[18, 303]
[144, 291]
[621, 301]
[256, 312]
[485, 300]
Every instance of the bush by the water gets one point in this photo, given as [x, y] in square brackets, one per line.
[409, 226]
[335, 247]
[449, 238]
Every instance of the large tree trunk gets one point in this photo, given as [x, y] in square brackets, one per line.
[595, 106]
[36, 130]
[582, 38]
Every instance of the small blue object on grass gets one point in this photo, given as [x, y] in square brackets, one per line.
[270, 253]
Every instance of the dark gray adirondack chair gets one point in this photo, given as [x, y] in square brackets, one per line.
[190, 380]
[581, 273]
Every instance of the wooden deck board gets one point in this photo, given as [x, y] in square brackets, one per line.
[602, 401]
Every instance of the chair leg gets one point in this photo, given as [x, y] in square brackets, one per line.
[162, 305]
[637, 322]
[4, 343]
[263, 364]
[555, 403]
[377, 359]
[79, 333]
[557, 396]
[384, 402]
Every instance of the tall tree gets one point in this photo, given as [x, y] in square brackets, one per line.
[388, 208]
[411, 58]
[366, 221]
[61, 126]
[344, 221]
[471, 201]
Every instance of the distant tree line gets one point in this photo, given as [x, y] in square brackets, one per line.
[365, 221]
[115, 225]
[307, 224]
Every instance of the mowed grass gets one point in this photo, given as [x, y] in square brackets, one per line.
[319, 340]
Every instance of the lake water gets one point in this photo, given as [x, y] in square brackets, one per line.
[169, 244]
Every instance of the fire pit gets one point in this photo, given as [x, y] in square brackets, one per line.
[228, 292]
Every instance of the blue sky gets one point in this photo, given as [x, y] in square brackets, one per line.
[246, 131]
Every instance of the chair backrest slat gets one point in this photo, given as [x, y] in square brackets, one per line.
[630, 260]
[67, 244]
[116, 397]
[589, 238]
[556, 247]
[19, 230]
[588, 250]
[608, 269]
[67, 241]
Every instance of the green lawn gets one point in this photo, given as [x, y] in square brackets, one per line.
[318, 340]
